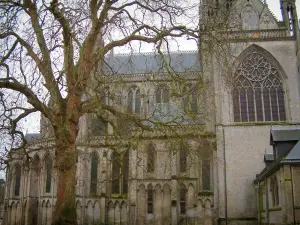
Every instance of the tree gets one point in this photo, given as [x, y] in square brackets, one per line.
[50, 50]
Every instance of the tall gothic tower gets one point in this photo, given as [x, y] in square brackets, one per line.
[252, 61]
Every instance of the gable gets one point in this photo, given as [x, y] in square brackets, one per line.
[253, 15]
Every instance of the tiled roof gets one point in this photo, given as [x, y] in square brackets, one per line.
[285, 135]
[152, 63]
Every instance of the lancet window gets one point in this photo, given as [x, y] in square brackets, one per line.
[134, 100]
[162, 94]
[120, 171]
[17, 180]
[94, 173]
[151, 158]
[48, 167]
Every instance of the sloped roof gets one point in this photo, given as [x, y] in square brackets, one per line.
[269, 157]
[285, 135]
[294, 154]
[152, 63]
[292, 157]
[32, 136]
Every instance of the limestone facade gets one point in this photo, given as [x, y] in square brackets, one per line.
[251, 87]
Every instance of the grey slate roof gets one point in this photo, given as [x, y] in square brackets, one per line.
[151, 63]
[168, 113]
[292, 157]
[294, 154]
[285, 135]
[269, 157]
[32, 136]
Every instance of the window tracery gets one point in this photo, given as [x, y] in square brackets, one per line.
[258, 92]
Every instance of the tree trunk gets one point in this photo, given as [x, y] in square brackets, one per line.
[65, 210]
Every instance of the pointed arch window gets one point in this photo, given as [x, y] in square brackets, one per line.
[99, 127]
[94, 173]
[162, 94]
[150, 199]
[17, 180]
[183, 155]
[190, 102]
[151, 158]
[182, 198]
[120, 171]
[258, 91]
[48, 167]
[134, 100]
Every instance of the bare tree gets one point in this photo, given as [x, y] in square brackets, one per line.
[51, 49]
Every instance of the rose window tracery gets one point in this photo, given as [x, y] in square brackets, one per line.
[258, 93]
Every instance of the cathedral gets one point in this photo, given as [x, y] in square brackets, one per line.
[204, 155]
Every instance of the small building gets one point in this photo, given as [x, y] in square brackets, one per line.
[278, 185]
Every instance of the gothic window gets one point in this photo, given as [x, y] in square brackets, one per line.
[120, 170]
[134, 100]
[258, 92]
[48, 164]
[190, 101]
[151, 158]
[183, 154]
[98, 126]
[94, 173]
[116, 173]
[150, 199]
[274, 191]
[17, 180]
[162, 94]
[206, 174]
[229, 4]
[182, 198]
[125, 171]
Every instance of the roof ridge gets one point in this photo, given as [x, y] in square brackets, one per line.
[151, 53]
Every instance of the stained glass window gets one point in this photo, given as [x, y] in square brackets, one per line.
[258, 92]
[94, 173]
